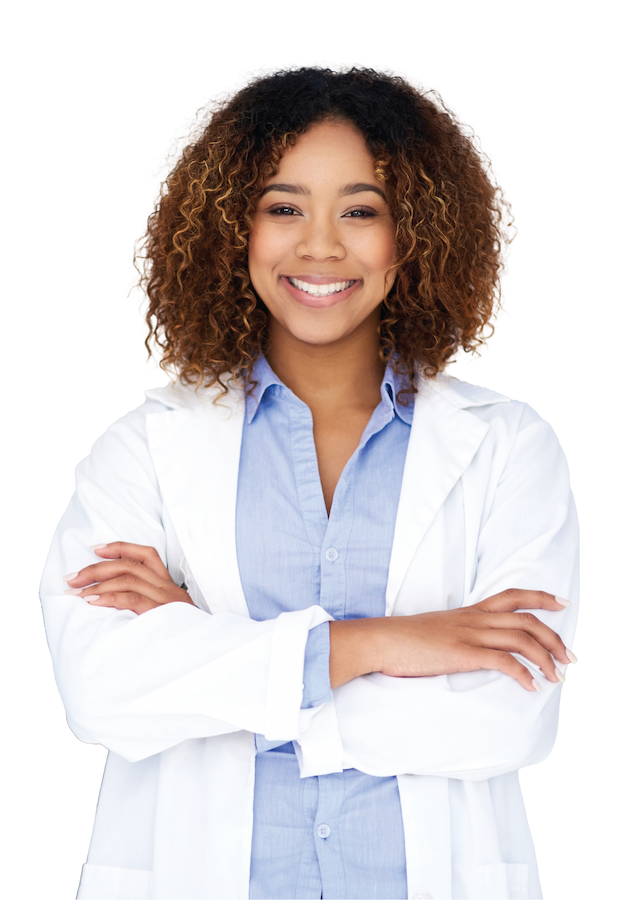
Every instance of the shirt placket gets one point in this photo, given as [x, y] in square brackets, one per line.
[326, 834]
[329, 536]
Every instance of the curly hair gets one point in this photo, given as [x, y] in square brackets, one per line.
[448, 212]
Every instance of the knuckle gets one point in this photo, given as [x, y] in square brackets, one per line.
[129, 579]
[521, 639]
[528, 619]
[126, 599]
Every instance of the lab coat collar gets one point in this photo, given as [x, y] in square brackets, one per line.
[178, 395]
[444, 438]
[195, 445]
[461, 393]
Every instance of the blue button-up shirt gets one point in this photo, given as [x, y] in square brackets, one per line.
[338, 835]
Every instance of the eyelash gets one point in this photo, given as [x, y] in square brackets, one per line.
[366, 213]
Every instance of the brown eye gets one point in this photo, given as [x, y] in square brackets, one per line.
[283, 211]
[359, 214]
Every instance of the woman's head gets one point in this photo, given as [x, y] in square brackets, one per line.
[443, 209]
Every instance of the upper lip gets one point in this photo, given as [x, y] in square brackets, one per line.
[320, 279]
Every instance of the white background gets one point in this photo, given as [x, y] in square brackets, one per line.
[97, 96]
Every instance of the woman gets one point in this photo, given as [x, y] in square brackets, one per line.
[302, 643]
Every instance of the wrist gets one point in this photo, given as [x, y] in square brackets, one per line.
[355, 649]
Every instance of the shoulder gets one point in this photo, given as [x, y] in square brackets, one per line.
[177, 397]
[513, 429]
[481, 402]
[129, 435]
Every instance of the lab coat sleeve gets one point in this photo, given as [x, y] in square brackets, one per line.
[141, 684]
[480, 724]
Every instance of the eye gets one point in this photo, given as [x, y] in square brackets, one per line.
[360, 214]
[283, 211]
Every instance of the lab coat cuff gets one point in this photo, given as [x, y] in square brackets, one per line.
[319, 747]
[285, 681]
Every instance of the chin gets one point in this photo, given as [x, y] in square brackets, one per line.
[317, 330]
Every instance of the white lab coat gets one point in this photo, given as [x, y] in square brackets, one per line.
[177, 693]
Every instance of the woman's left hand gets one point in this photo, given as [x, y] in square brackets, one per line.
[132, 577]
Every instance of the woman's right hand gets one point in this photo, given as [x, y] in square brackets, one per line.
[482, 636]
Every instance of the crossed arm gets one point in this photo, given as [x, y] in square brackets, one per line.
[482, 636]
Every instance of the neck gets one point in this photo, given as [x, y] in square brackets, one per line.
[344, 373]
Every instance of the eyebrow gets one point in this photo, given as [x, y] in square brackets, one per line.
[346, 191]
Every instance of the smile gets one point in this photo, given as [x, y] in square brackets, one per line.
[320, 290]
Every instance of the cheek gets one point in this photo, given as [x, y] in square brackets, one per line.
[267, 248]
[378, 251]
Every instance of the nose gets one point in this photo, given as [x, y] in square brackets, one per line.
[320, 240]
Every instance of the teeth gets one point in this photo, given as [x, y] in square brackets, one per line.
[320, 290]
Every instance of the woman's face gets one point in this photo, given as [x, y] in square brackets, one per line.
[323, 237]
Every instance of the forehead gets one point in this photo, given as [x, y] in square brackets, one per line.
[331, 148]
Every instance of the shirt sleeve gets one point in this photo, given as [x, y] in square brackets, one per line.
[317, 680]
[480, 724]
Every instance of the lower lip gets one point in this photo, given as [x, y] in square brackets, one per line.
[323, 302]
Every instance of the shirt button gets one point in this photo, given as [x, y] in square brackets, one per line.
[331, 554]
[323, 831]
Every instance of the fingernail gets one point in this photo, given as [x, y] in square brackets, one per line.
[559, 675]
[536, 684]
[74, 591]
[70, 577]
[562, 602]
[91, 597]
[571, 656]
[97, 546]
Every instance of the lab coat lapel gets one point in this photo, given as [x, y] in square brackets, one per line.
[196, 447]
[443, 440]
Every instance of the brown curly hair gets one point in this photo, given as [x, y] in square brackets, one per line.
[448, 212]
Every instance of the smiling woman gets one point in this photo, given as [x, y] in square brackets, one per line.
[325, 625]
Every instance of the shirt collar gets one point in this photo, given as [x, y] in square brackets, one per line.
[264, 376]
[392, 383]
[390, 386]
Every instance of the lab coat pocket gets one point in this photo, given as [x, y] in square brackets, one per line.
[112, 883]
[503, 881]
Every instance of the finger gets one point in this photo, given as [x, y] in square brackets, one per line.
[123, 550]
[500, 661]
[516, 598]
[515, 641]
[530, 624]
[97, 572]
[123, 600]
[130, 582]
